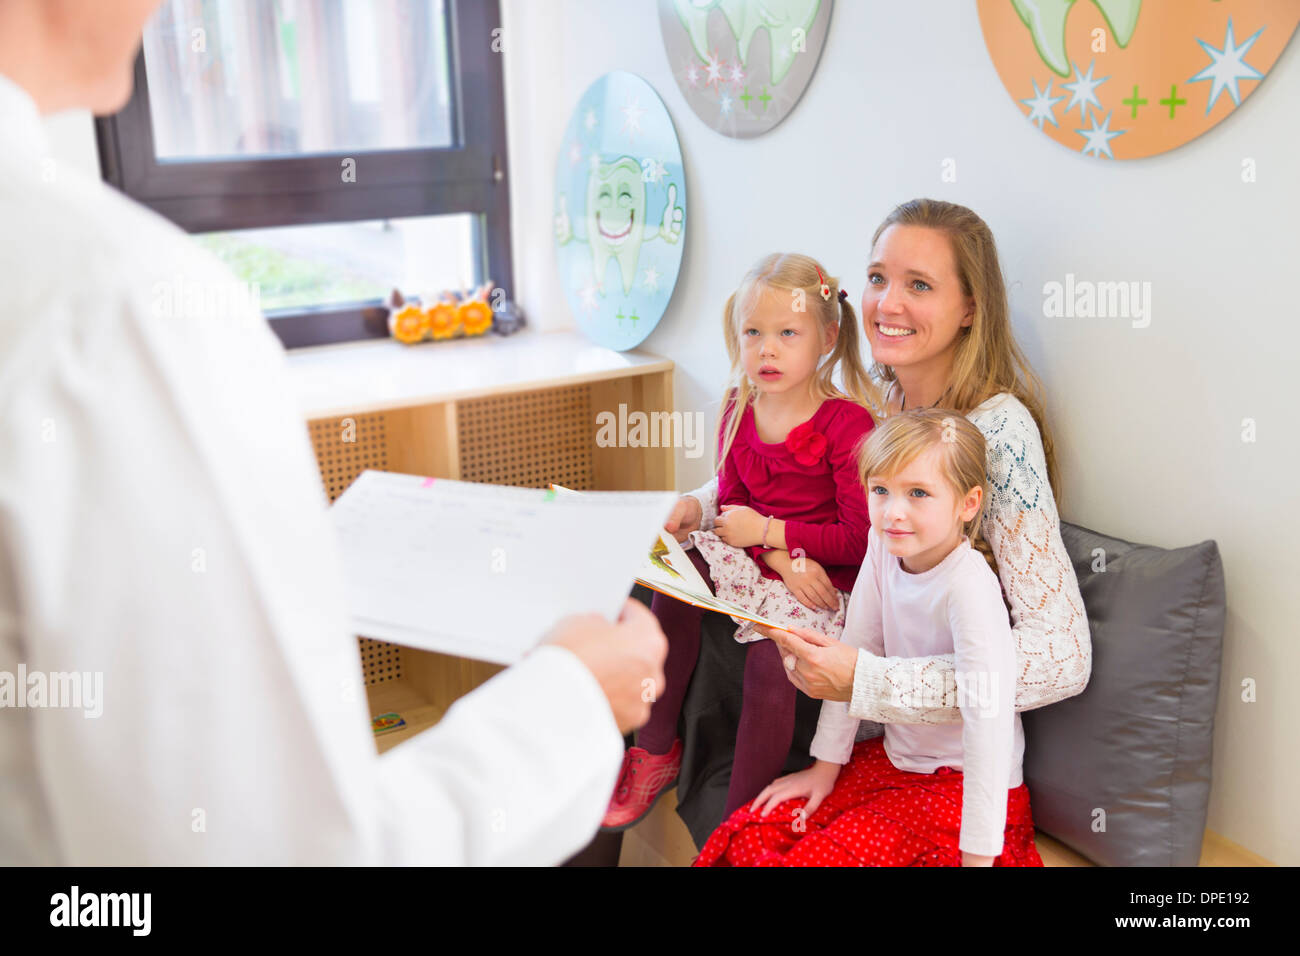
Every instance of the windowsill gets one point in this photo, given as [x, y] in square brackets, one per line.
[380, 374]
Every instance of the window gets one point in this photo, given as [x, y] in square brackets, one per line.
[327, 150]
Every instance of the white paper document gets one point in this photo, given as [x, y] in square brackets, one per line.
[667, 569]
[485, 571]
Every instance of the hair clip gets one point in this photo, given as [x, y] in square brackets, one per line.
[843, 295]
[825, 289]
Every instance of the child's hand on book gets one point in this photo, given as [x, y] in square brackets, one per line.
[739, 526]
[806, 580]
[814, 783]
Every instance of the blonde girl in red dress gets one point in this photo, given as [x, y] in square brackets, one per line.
[793, 529]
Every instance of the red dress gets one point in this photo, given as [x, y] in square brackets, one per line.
[812, 485]
[877, 815]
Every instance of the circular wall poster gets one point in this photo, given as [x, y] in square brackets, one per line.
[743, 64]
[620, 210]
[1123, 79]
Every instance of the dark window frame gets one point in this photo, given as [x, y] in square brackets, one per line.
[220, 195]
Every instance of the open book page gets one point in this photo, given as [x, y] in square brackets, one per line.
[485, 571]
[669, 570]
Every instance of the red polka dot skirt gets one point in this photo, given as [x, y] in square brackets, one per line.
[877, 815]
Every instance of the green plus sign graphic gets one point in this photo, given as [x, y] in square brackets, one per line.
[620, 316]
[745, 98]
[1134, 101]
[634, 317]
[765, 98]
[1174, 100]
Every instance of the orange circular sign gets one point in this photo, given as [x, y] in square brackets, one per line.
[1122, 79]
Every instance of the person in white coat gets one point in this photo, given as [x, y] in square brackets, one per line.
[164, 537]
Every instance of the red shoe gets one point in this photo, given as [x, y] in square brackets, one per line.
[644, 779]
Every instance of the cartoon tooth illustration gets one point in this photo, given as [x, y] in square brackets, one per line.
[782, 18]
[616, 218]
[1046, 22]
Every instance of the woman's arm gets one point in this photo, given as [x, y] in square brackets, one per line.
[1053, 646]
[863, 629]
[707, 496]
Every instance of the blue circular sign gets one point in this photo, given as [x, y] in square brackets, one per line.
[620, 210]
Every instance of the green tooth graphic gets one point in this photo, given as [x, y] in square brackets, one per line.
[694, 15]
[615, 216]
[781, 18]
[1046, 22]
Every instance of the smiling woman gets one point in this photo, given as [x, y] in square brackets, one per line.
[936, 317]
[914, 316]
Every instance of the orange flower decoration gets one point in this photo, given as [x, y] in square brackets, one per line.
[443, 320]
[475, 316]
[407, 324]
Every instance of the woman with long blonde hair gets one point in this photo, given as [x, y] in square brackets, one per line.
[936, 317]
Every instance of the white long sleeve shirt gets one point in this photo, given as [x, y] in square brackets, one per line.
[163, 529]
[953, 608]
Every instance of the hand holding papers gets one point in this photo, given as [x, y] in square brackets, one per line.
[668, 570]
[485, 571]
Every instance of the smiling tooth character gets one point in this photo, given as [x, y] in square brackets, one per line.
[616, 218]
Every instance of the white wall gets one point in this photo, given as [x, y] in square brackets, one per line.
[1148, 421]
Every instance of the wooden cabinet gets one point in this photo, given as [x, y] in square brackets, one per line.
[520, 410]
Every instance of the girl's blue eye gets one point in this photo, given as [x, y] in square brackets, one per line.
[791, 331]
[921, 282]
[876, 488]
[872, 277]
[921, 492]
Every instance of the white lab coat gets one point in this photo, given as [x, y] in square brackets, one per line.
[162, 523]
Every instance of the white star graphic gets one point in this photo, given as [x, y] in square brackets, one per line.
[713, 66]
[650, 279]
[1228, 67]
[575, 153]
[1083, 92]
[692, 75]
[1041, 103]
[594, 161]
[588, 296]
[632, 113]
[724, 103]
[590, 119]
[737, 74]
[656, 171]
[1099, 138]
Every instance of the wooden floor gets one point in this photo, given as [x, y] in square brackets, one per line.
[661, 839]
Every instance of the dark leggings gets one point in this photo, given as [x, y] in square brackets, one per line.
[767, 712]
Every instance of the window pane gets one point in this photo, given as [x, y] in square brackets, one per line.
[248, 78]
[298, 267]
